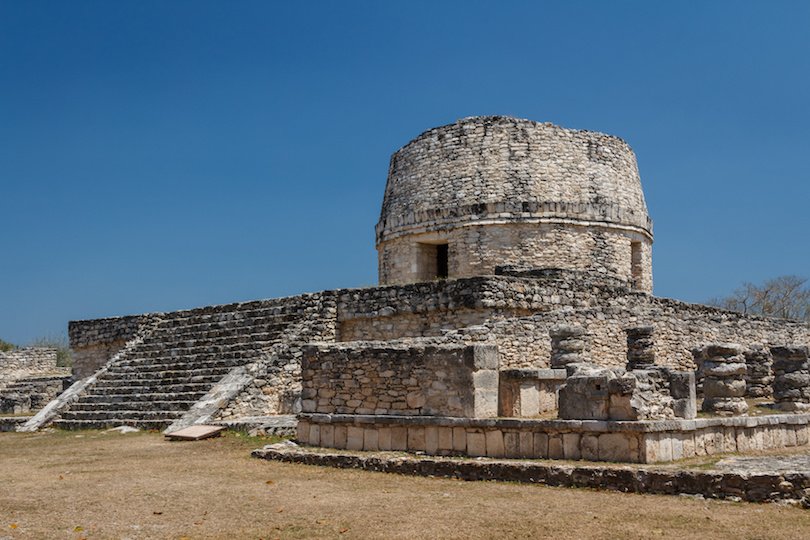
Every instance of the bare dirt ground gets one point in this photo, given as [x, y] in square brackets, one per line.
[108, 485]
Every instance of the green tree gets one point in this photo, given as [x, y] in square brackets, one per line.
[6, 346]
[786, 297]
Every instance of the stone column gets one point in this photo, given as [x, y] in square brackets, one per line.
[567, 345]
[791, 384]
[724, 382]
[759, 376]
[640, 347]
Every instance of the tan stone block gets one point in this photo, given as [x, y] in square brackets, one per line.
[790, 436]
[526, 444]
[399, 438]
[664, 447]
[511, 444]
[688, 444]
[341, 436]
[802, 435]
[589, 447]
[302, 432]
[571, 446]
[476, 443]
[615, 447]
[742, 440]
[676, 441]
[416, 439]
[371, 439]
[540, 445]
[767, 437]
[445, 440]
[494, 442]
[384, 438]
[778, 437]
[729, 440]
[327, 436]
[354, 438]
[431, 439]
[459, 439]
[649, 452]
[555, 446]
[314, 435]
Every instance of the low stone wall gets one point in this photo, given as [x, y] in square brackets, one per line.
[631, 442]
[95, 341]
[430, 308]
[711, 484]
[679, 328]
[517, 310]
[27, 362]
[413, 378]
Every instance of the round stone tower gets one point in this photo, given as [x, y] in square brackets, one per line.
[488, 191]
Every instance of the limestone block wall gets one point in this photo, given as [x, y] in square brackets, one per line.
[430, 309]
[476, 250]
[679, 327]
[500, 189]
[404, 378]
[27, 362]
[95, 341]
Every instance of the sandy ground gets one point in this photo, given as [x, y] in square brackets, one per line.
[108, 485]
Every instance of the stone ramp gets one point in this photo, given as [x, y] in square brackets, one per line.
[188, 352]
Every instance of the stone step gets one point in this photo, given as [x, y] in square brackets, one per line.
[178, 366]
[157, 406]
[138, 357]
[197, 346]
[152, 396]
[145, 378]
[163, 375]
[198, 326]
[113, 415]
[158, 425]
[164, 388]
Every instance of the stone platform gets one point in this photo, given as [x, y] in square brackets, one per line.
[617, 441]
[724, 481]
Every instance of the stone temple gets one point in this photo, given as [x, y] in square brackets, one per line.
[514, 318]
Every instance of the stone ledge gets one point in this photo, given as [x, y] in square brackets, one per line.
[721, 485]
[642, 426]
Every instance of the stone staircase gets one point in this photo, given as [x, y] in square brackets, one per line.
[188, 352]
[31, 393]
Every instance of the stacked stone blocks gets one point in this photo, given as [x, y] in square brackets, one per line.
[791, 384]
[724, 372]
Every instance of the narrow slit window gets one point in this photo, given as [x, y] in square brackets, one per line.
[441, 261]
[635, 263]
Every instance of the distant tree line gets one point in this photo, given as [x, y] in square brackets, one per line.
[785, 297]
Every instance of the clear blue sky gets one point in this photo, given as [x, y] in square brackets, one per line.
[165, 155]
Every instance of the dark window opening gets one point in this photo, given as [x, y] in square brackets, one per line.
[432, 262]
[441, 261]
[635, 264]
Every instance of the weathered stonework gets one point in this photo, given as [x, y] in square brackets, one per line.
[791, 384]
[401, 378]
[499, 190]
[724, 379]
[640, 347]
[29, 378]
[759, 372]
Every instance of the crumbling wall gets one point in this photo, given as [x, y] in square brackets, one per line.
[27, 362]
[401, 378]
[95, 341]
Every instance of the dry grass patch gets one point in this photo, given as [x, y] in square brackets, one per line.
[108, 485]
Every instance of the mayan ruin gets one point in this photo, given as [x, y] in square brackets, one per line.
[513, 319]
